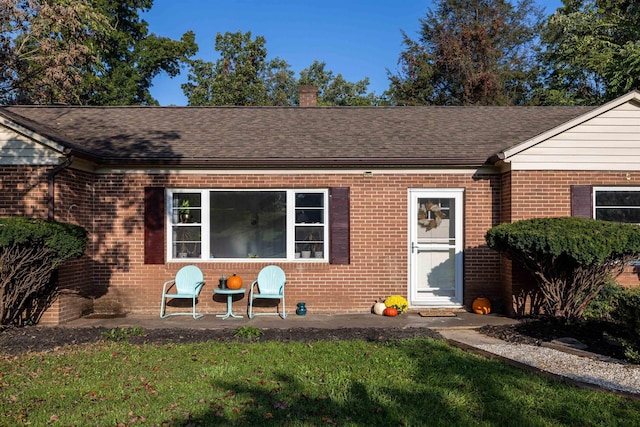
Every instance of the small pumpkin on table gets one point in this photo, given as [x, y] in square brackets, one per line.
[234, 282]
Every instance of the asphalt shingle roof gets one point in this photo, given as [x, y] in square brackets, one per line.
[290, 136]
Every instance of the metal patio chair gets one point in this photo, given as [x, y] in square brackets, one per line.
[187, 285]
[269, 285]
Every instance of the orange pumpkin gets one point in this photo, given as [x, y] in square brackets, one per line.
[481, 306]
[390, 311]
[234, 282]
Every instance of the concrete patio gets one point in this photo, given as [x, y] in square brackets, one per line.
[461, 321]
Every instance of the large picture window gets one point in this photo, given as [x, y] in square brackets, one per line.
[621, 204]
[245, 224]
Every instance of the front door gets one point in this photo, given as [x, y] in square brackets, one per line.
[435, 230]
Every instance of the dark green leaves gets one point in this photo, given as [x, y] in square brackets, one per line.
[581, 241]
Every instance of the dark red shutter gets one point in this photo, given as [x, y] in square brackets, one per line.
[154, 225]
[581, 201]
[339, 229]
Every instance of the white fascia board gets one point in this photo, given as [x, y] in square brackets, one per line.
[34, 136]
[631, 96]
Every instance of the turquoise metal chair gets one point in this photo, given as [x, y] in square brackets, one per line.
[270, 285]
[187, 285]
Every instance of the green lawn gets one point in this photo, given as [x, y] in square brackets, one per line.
[417, 382]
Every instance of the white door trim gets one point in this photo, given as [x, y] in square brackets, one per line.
[415, 246]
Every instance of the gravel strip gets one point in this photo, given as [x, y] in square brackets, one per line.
[612, 375]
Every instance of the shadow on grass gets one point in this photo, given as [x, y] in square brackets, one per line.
[442, 386]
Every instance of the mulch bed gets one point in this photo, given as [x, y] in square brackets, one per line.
[14, 341]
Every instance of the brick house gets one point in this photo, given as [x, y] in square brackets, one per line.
[353, 203]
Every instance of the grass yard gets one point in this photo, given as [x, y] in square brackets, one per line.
[416, 382]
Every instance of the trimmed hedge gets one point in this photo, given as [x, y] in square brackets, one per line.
[570, 258]
[30, 251]
[579, 241]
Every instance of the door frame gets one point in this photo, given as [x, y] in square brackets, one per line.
[458, 195]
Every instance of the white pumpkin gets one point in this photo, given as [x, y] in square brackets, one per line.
[378, 308]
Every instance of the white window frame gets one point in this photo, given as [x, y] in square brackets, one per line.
[610, 189]
[205, 225]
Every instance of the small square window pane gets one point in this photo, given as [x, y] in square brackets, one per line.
[629, 215]
[617, 198]
[315, 200]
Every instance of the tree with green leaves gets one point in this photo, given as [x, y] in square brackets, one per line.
[244, 76]
[571, 259]
[335, 90]
[470, 52]
[132, 57]
[89, 52]
[591, 52]
[236, 78]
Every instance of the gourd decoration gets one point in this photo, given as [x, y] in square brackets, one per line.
[398, 302]
[234, 282]
[378, 308]
[481, 306]
[390, 311]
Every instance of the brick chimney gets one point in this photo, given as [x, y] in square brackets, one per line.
[308, 96]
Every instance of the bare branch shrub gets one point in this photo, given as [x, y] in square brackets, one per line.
[31, 250]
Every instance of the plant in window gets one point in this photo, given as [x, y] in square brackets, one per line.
[185, 212]
[189, 244]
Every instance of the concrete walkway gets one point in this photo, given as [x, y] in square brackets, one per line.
[461, 321]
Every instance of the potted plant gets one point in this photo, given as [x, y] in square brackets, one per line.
[317, 250]
[307, 248]
[185, 212]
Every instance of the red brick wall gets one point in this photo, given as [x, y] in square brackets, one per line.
[379, 236]
[74, 204]
[113, 278]
[23, 191]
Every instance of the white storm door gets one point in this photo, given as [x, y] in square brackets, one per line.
[435, 250]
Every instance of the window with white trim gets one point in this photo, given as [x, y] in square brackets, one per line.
[272, 224]
[620, 204]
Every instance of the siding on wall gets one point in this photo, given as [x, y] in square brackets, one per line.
[16, 149]
[609, 141]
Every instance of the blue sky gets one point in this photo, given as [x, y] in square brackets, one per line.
[356, 38]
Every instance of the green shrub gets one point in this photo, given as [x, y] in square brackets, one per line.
[30, 251]
[627, 315]
[247, 331]
[605, 303]
[570, 258]
[122, 334]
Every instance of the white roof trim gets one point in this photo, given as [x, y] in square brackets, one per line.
[631, 96]
[34, 136]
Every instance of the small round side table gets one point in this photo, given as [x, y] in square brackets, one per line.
[229, 293]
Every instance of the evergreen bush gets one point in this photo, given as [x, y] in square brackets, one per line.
[31, 250]
[572, 259]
